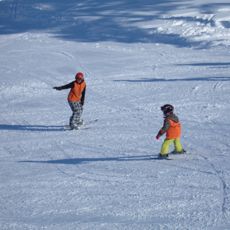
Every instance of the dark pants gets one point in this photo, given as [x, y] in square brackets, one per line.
[75, 119]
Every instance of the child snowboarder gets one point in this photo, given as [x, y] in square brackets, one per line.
[172, 128]
[76, 99]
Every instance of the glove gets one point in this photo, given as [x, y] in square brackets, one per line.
[57, 88]
[159, 134]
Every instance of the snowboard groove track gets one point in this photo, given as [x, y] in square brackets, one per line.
[220, 176]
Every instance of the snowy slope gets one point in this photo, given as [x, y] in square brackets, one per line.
[137, 56]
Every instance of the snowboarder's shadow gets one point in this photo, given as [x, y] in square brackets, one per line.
[133, 158]
[35, 128]
[75, 161]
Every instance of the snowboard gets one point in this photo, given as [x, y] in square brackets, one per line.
[170, 156]
[160, 158]
[84, 125]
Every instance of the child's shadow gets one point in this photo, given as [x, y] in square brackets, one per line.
[35, 128]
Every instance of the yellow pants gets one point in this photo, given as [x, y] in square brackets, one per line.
[165, 146]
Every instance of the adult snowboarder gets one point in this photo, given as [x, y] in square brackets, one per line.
[172, 128]
[76, 99]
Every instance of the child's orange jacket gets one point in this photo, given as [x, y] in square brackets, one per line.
[77, 91]
[75, 94]
[174, 130]
[171, 127]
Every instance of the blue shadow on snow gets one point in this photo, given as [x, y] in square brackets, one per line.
[204, 64]
[75, 161]
[143, 80]
[93, 21]
[209, 64]
[36, 128]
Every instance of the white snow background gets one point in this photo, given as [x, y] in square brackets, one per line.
[136, 55]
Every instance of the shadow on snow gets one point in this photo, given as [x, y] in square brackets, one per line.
[77, 161]
[175, 79]
[94, 21]
[36, 128]
[74, 161]
[204, 64]
[209, 64]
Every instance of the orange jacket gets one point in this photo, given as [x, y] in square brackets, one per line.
[75, 94]
[171, 127]
[174, 130]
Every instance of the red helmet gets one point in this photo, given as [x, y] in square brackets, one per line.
[79, 75]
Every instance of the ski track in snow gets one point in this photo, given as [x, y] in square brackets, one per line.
[220, 176]
[105, 176]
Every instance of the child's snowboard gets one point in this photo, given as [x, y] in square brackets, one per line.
[84, 125]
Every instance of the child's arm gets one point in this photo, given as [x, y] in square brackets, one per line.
[164, 129]
[67, 86]
[83, 97]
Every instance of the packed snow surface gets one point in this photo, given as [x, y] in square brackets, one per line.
[136, 55]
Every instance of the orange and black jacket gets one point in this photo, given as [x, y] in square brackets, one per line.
[77, 91]
[171, 127]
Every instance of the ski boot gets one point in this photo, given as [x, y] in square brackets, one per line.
[81, 122]
[181, 152]
[74, 127]
[163, 156]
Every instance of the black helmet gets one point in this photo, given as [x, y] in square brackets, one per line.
[167, 109]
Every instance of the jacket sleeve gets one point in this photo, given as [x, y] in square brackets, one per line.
[83, 96]
[165, 127]
[67, 86]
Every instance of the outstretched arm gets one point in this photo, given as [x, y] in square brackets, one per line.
[67, 86]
